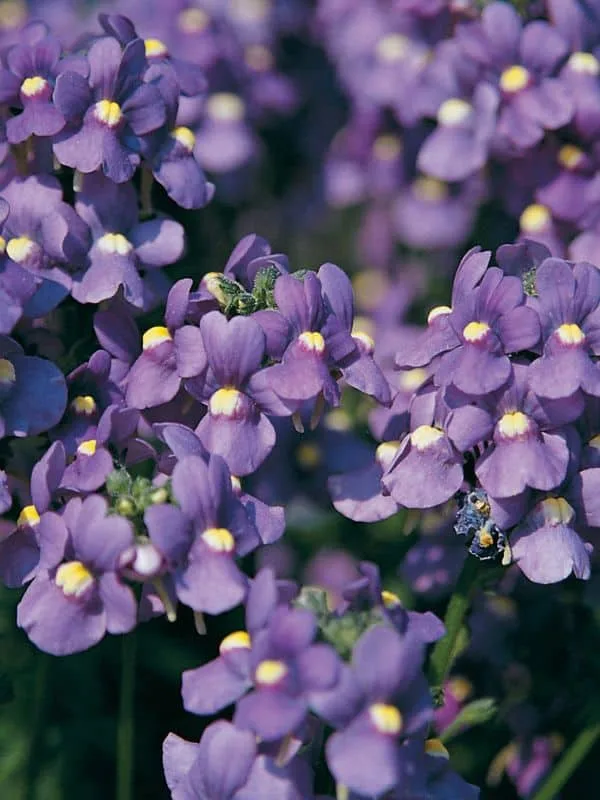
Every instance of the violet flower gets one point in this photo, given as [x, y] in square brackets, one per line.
[108, 115]
[568, 299]
[33, 392]
[122, 246]
[236, 427]
[169, 354]
[69, 608]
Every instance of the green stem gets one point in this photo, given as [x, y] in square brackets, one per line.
[40, 696]
[443, 653]
[125, 731]
[569, 762]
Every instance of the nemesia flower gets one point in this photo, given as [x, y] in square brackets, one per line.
[546, 545]
[169, 354]
[122, 245]
[27, 82]
[568, 299]
[236, 427]
[33, 392]
[201, 539]
[70, 607]
[320, 342]
[394, 705]
[35, 543]
[520, 62]
[107, 116]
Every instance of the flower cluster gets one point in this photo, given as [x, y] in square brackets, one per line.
[168, 412]
[453, 108]
[504, 417]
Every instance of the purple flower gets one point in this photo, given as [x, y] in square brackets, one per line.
[528, 446]
[520, 62]
[392, 706]
[320, 343]
[460, 144]
[359, 368]
[225, 141]
[69, 608]
[201, 539]
[169, 354]
[235, 426]
[93, 461]
[108, 116]
[35, 543]
[122, 246]
[568, 309]
[28, 83]
[214, 769]
[226, 764]
[547, 546]
[358, 494]
[33, 392]
[286, 667]
[489, 323]
[427, 468]
[44, 236]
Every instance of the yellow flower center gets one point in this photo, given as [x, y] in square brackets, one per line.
[438, 311]
[430, 190]
[312, 341]
[74, 578]
[385, 453]
[155, 336]
[225, 402]
[386, 719]
[2, 244]
[556, 511]
[219, 539]
[20, 248]
[115, 243]
[87, 448]
[249, 10]
[392, 48]
[535, 218]
[193, 20]
[185, 137]
[7, 372]
[155, 48]
[569, 333]
[366, 340]
[33, 86]
[240, 640]
[595, 442]
[108, 112]
[259, 58]
[13, 13]
[453, 111]
[225, 107]
[475, 331]
[84, 404]
[570, 156]
[308, 455]
[513, 424]
[28, 517]
[461, 688]
[411, 379]
[425, 436]
[584, 62]
[270, 671]
[435, 747]
[387, 147]
[514, 78]
[390, 599]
